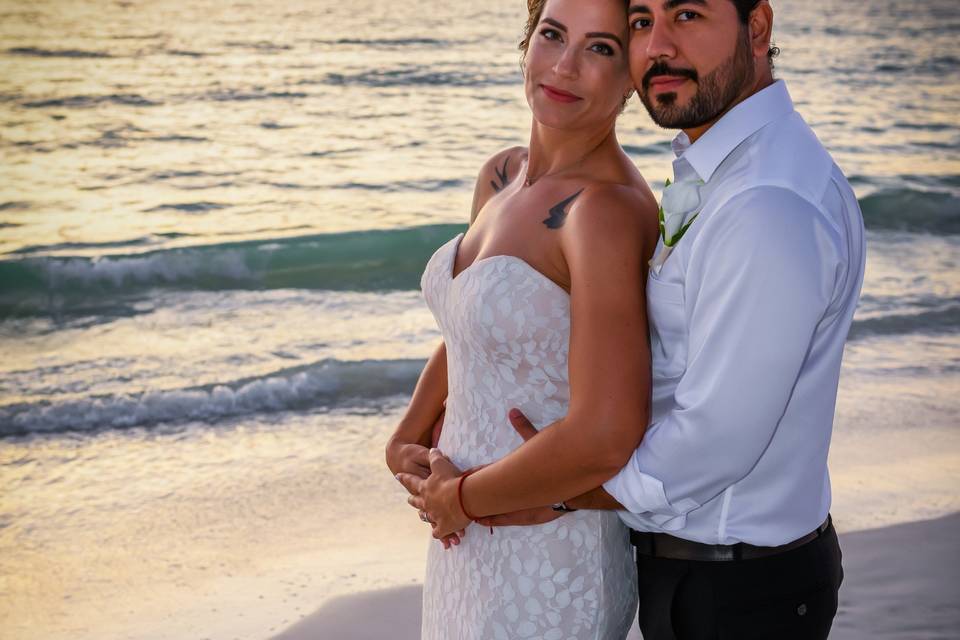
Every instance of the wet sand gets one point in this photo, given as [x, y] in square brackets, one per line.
[901, 582]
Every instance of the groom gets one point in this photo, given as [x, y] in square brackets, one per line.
[728, 494]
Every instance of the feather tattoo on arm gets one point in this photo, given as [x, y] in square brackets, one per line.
[558, 212]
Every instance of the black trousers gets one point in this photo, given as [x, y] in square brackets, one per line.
[789, 596]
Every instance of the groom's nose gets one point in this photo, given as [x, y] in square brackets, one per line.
[660, 41]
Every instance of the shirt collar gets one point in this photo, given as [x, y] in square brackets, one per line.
[738, 124]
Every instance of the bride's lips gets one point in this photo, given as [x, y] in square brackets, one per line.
[559, 94]
[666, 83]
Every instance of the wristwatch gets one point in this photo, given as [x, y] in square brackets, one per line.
[562, 507]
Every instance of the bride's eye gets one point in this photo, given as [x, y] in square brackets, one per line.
[550, 34]
[602, 49]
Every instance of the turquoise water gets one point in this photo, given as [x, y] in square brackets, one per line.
[213, 219]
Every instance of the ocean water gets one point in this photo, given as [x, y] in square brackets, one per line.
[213, 218]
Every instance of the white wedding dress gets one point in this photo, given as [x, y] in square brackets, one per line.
[507, 331]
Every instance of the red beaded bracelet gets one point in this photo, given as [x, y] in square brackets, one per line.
[460, 493]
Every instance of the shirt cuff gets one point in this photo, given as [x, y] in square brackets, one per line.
[643, 495]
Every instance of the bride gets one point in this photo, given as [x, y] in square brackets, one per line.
[541, 306]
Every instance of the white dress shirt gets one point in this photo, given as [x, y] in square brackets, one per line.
[748, 319]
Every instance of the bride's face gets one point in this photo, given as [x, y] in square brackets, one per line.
[576, 69]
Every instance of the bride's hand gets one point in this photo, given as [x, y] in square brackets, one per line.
[408, 457]
[453, 539]
[437, 495]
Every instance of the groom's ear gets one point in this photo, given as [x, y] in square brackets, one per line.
[760, 25]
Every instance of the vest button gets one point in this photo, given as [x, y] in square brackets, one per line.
[802, 610]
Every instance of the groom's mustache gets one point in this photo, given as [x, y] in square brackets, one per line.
[663, 69]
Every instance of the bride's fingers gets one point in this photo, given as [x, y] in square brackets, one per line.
[410, 482]
[421, 458]
[435, 455]
[451, 540]
[421, 472]
[418, 470]
[441, 463]
[417, 503]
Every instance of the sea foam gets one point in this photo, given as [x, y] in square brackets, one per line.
[328, 383]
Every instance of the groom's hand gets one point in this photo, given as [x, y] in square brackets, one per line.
[524, 517]
[521, 425]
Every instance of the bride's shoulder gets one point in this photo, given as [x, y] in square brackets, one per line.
[617, 206]
[501, 168]
[615, 218]
[512, 156]
[497, 172]
[612, 229]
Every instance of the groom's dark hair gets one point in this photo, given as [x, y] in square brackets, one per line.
[744, 7]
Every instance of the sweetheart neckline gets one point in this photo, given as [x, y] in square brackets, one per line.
[456, 250]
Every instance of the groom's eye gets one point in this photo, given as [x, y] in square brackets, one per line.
[687, 16]
[641, 23]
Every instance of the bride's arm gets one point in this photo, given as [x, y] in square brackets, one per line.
[406, 450]
[597, 499]
[606, 241]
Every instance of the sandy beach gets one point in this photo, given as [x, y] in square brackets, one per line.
[214, 218]
[901, 583]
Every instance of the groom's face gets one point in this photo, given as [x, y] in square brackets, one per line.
[689, 59]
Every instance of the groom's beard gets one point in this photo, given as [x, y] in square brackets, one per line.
[716, 91]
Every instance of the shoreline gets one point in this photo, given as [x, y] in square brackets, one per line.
[901, 582]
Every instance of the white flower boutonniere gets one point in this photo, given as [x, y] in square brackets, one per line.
[679, 207]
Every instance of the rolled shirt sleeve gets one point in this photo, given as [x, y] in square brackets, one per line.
[760, 277]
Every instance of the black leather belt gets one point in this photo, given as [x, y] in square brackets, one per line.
[662, 545]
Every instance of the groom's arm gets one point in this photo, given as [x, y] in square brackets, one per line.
[597, 499]
[759, 281]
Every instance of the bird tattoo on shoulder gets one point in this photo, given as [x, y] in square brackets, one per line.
[558, 212]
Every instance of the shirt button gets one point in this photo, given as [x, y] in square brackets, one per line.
[802, 610]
